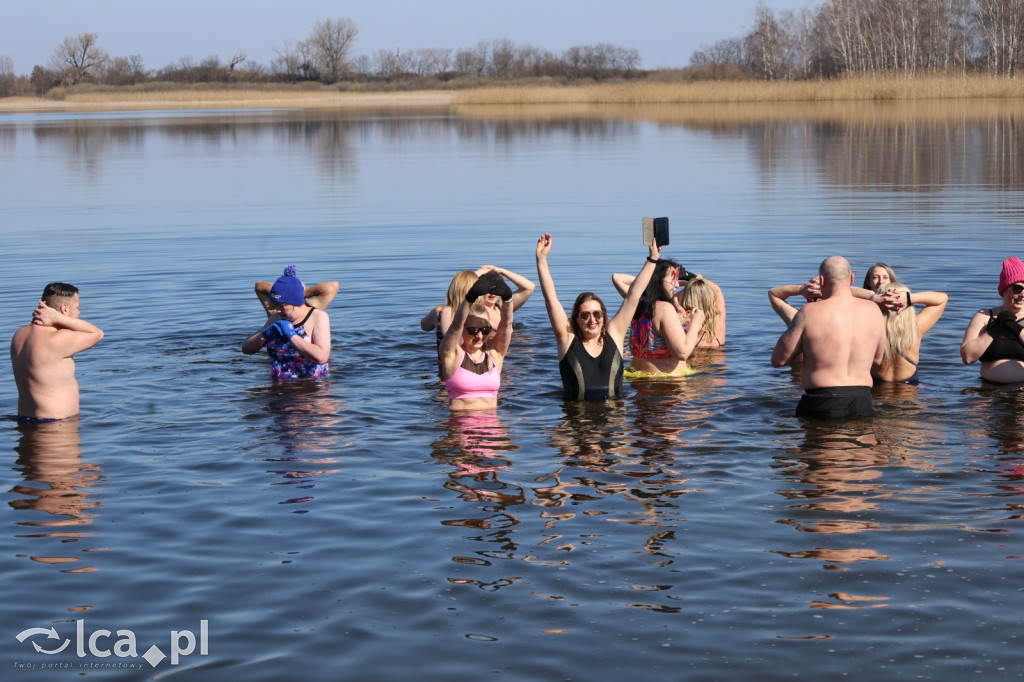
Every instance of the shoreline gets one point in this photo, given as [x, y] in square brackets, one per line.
[227, 99]
[862, 90]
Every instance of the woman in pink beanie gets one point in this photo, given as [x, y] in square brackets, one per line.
[994, 335]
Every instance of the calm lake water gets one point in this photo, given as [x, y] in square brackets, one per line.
[354, 530]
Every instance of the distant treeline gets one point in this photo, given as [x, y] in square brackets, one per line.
[862, 36]
[325, 57]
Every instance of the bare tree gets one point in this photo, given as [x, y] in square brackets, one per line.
[1001, 27]
[7, 78]
[79, 58]
[503, 58]
[286, 63]
[237, 59]
[385, 63]
[331, 41]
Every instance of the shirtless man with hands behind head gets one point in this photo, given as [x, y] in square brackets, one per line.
[841, 338]
[42, 356]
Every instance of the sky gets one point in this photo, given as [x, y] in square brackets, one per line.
[666, 32]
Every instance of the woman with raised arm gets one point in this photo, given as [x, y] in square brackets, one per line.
[440, 316]
[297, 335]
[904, 328]
[658, 340]
[695, 292]
[589, 343]
[994, 334]
[471, 368]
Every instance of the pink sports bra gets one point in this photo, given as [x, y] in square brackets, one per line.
[464, 384]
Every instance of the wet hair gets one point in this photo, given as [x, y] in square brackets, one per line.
[884, 266]
[461, 283]
[56, 293]
[655, 290]
[580, 300]
[699, 294]
[901, 327]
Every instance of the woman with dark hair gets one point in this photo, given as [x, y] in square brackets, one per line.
[663, 334]
[589, 343]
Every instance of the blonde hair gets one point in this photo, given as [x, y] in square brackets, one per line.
[461, 283]
[699, 294]
[900, 327]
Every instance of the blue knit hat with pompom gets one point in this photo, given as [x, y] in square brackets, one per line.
[288, 289]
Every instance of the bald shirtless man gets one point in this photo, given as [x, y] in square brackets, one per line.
[42, 356]
[841, 337]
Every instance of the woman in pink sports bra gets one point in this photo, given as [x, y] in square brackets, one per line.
[471, 371]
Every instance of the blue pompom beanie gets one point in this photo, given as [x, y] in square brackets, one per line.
[288, 289]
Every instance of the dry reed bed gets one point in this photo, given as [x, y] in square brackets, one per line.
[881, 88]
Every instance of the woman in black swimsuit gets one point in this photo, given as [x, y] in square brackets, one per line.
[590, 344]
[994, 335]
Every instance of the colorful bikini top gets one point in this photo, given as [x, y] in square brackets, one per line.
[286, 362]
[648, 344]
[466, 384]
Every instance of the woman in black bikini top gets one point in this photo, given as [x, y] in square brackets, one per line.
[994, 335]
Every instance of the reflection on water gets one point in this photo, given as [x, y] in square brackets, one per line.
[304, 415]
[907, 146]
[57, 483]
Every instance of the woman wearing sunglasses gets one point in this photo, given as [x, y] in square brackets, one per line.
[590, 344]
[471, 368]
[994, 334]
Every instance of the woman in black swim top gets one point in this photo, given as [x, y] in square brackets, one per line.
[994, 335]
[590, 344]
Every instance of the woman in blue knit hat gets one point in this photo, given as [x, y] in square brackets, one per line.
[297, 336]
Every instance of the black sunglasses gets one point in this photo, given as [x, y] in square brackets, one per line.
[473, 331]
[1017, 288]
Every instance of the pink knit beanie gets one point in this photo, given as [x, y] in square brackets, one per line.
[1013, 271]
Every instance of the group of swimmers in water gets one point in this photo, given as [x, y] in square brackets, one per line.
[844, 338]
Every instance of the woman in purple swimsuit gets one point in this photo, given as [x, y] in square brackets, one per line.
[297, 336]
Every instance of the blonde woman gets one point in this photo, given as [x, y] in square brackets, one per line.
[440, 316]
[705, 295]
[904, 328]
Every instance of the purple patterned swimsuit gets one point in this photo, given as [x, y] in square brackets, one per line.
[286, 362]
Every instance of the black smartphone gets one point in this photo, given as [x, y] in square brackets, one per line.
[656, 229]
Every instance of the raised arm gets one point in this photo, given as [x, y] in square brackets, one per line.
[788, 345]
[524, 287]
[634, 291]
[320, 295]
[429, 321]
[73, 333]
[778, 295]
[556, 313]
[934, 303]
[503, 334]
[621, 282]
